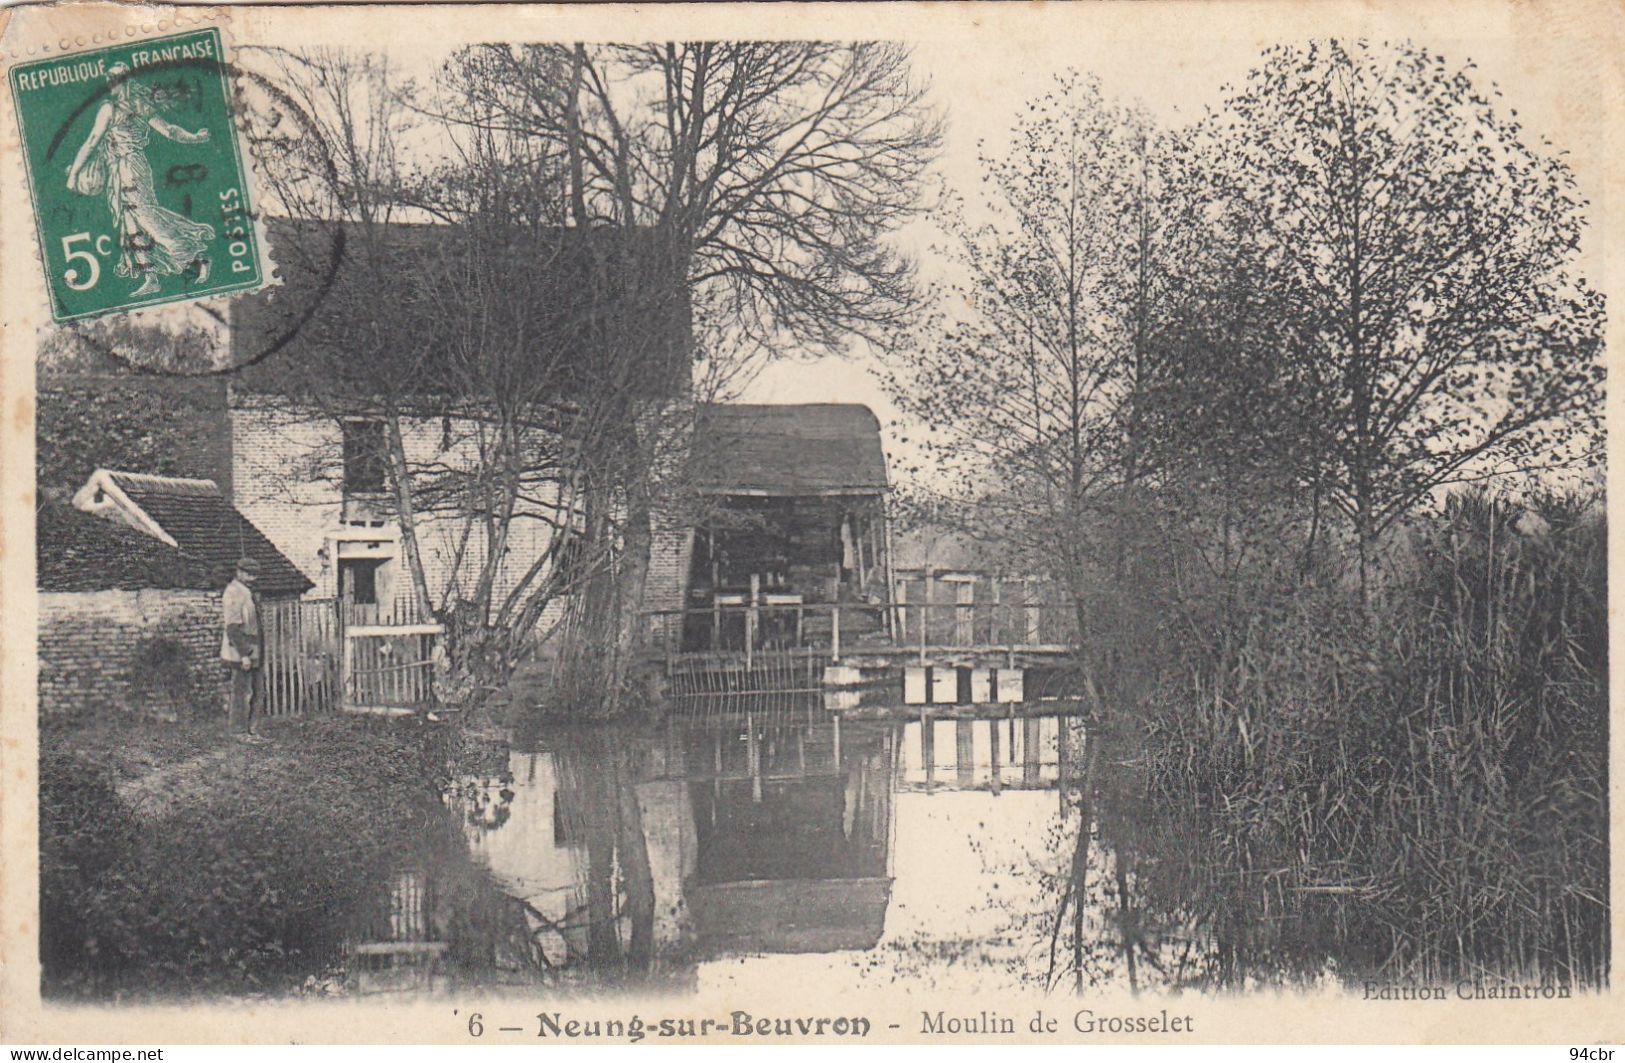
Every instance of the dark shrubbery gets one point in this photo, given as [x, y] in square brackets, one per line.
[85, 835]
[234, 869]
[166, 679]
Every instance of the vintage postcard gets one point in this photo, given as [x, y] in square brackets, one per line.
[809, 523]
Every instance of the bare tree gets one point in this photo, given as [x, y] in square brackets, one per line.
[1031, 382]
[778, 169]
[769, 175]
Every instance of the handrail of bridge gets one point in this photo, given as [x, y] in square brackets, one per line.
[907, 622]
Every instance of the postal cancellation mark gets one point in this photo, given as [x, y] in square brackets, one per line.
[137, 178]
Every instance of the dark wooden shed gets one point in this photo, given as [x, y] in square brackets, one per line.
[798, 519]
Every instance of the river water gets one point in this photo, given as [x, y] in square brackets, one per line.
[748, 841]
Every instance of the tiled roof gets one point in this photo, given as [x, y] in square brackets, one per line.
[789, 450]
[207, 527]
[586, 290]
[78, 551]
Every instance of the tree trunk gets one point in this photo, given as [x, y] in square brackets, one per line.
[399, 476]
[572, 125]
[634, 577]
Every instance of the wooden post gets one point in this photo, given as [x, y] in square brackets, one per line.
[857, 554]
[965, 612]
[836, 722]
[886, 546]
[1063, 756]
[876, 549]
[925, 624]
[268, 652]
[286, 650]
[752, 617]
[993, 614]
[993, 742]
[753, 758]
[1010, 646]
[835, 632]
[305, 684]
[925, 613]
[928, 749]
[1031, 739]
[900, 610]
[346, 672]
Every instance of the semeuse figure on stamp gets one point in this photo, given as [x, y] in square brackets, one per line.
[240, 645]
[153, 240]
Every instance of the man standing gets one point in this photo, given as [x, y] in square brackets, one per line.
[240, 646]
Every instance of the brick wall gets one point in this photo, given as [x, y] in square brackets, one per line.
[98, 652]
[287, 474]
[667, 584]
[281, 467]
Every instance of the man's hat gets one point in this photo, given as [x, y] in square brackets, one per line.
[248, 566]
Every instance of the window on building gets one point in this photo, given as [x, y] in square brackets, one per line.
[365, 467]
[358, 581]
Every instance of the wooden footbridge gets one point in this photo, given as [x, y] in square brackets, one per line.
[949, 653]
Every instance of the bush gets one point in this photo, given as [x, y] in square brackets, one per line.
[86, 834]
[246, 877]
[165, 680]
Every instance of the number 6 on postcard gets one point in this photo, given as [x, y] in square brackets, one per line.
[139, 189]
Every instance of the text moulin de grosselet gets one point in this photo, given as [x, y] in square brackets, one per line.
[1085, 1020]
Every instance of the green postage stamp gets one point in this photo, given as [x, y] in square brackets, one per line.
[139, 186]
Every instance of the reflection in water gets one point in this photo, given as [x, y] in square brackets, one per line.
[793, 818]
[438, 918]
[752, 840]
[742, 841]
[572, 850]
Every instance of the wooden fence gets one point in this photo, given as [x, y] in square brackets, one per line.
[302, 661]
[323, 655]
[825, 629]
[389, 668]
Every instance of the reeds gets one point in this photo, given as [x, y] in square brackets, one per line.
[1411, 790]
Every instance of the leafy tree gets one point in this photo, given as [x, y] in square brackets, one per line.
[1422, 286]
[116, 420]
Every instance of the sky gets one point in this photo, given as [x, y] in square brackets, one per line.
[984, 62]
[982, 86]
[979, 109]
